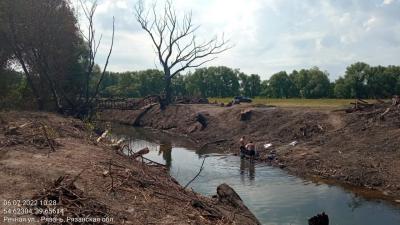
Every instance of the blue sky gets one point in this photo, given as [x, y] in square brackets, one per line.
[268, 35]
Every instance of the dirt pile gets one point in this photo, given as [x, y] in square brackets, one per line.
[380, 114]
[89, 179]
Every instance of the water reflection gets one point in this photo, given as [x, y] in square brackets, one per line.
[274, 197]
[165, 150]
[355, 202]
[247, 169]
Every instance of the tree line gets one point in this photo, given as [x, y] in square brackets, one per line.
[359, 81]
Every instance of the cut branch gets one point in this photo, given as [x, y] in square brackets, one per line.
[194, 178]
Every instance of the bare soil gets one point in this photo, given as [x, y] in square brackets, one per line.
[360, 148]
[90, 179]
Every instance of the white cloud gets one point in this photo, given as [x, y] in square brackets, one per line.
[369, 23]
[388, 2]
[269, 35]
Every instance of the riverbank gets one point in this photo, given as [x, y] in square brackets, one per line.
[47, 159]
[359, 149]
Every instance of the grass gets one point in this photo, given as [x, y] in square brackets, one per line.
[296, 102]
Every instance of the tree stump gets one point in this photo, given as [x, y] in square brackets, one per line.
[320, 219]
[202, 120]
[245, 114]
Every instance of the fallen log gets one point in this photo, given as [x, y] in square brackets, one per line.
[384, 113]
[104, 135]
[140, 153]
[228, 197]
[144, 110]
[362, 101]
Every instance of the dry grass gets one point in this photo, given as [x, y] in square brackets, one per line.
[296, 102]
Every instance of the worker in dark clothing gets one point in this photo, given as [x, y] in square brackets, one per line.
[242, 143]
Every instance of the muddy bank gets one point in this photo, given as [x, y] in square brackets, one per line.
[89, 179]
[359, 149]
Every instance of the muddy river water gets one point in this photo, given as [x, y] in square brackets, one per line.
[274, 196]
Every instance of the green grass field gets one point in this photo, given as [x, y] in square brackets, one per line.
[296, 102]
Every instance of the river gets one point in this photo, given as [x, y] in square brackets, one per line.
[273, 195]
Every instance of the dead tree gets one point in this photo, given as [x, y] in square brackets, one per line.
[93, 46]
[175, 41]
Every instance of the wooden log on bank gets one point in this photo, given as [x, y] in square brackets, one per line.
[227, 196]
[140, 153]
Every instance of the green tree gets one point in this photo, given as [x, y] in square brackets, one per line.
[250, 85]
[42, 35]
[391, 77]
[318, 85]
[11, 84]
[377, 85]
[300, 81]
[341, 89]
[356, 79]
[178, 85]
[280, 85]
[265, 89]
[213, 82]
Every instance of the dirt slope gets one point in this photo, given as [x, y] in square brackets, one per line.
[359, 149]
[91, 179]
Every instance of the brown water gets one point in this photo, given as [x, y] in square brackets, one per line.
[273, 195]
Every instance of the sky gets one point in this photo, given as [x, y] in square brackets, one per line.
[268, 36]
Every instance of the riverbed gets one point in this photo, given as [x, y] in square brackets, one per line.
[273, 195]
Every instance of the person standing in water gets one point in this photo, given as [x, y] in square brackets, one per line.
[242, 143]
[251, 149]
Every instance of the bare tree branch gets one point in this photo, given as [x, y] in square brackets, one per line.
[106, 64]
[93, 46]
[194, 178]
